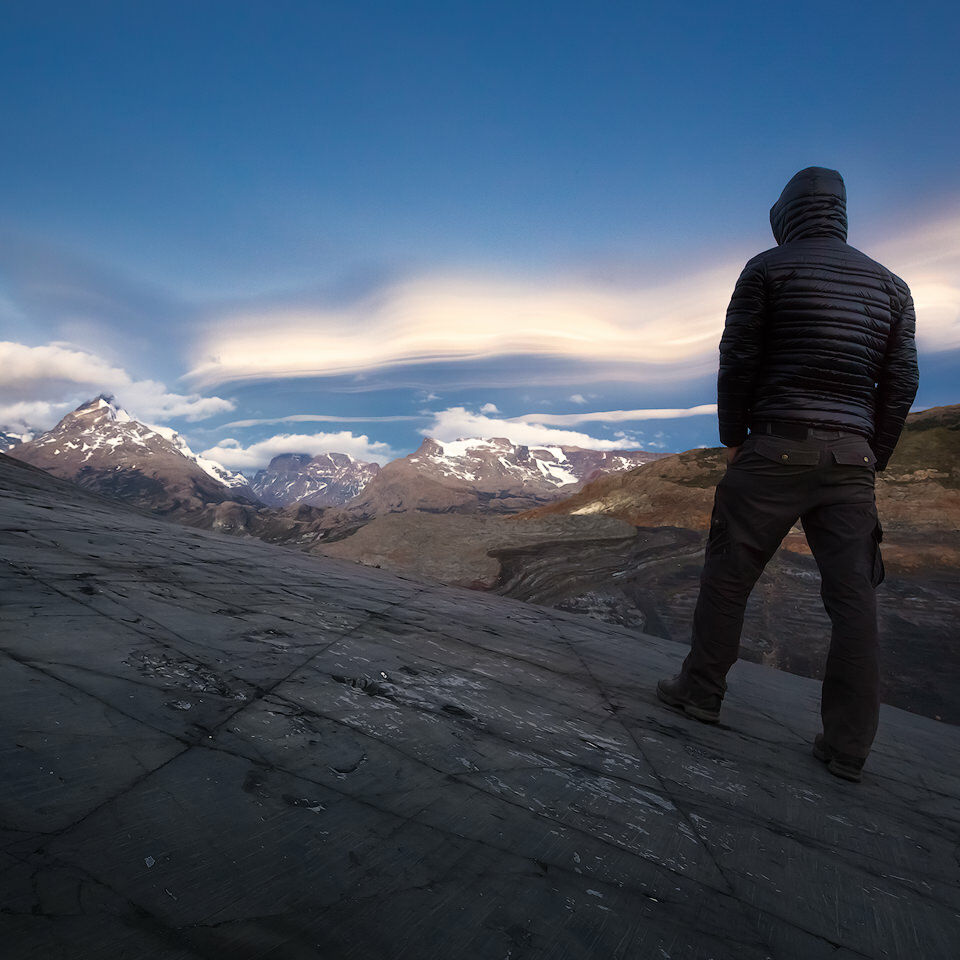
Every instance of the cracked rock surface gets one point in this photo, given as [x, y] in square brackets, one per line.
[214, 747]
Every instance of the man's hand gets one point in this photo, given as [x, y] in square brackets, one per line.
[732, 454]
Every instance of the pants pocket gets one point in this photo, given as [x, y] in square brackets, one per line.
[878, 571]
[718, 539]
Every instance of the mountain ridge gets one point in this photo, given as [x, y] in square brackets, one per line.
[477, 475]
[324, 480]
[102, 448]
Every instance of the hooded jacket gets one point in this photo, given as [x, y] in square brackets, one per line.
[817, 333]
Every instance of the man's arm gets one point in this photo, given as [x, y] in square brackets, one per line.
[741, 350]
[899, 379]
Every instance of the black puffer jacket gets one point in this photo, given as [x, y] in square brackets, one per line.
[817, 333]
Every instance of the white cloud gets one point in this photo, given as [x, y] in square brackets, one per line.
[598, 331]
[233, 454]
[617, 416]
[23, 366]
[26, 415]
[489, 408]
[454, 318]
[42, 383]
[578, 398]
[927, 256]
[153, 400]
[532, 429]
[456, 423]
[318, 418]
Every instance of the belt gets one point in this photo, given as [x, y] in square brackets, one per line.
[797, 431]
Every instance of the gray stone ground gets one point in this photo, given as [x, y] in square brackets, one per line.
[216, 748]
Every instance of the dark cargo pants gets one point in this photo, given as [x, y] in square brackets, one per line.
[827, 481]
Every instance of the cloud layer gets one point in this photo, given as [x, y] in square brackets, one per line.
[617, 416]
[453, 423]
[669, 327]
[445, 319]
[457, 423]
[42, 383]
[928, 258]
[317, 418]
[462, 330]
[233, 454]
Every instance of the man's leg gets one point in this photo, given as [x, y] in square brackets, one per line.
[755, 505]
[841, 536]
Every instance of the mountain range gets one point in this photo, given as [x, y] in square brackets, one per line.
[102, 448]
[492, 476]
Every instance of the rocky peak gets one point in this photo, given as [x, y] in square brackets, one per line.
[327, 479]
[335, 459]
[496, 464]
[101, 408]
[474, 474]
[429, 448]
[287, 462]
[101, 445]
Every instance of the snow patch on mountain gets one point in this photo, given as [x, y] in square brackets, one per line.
[495, 462]
[216, 470]
[10, 440]
[101, 426]
[328, 479]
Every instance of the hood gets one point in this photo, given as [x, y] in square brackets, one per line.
[813, 204]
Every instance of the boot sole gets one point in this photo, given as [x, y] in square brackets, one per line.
[698, 713]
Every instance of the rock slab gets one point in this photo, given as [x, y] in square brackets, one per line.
[216, 747]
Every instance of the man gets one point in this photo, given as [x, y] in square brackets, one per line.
[818, 361]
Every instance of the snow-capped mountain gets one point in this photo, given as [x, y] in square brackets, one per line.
[495, 475]
[497, 464]
[101, 447]
[466, 470]
[216, 470]
[328, 479]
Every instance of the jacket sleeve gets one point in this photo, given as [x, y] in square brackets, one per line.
[899, 378]
[741, 351]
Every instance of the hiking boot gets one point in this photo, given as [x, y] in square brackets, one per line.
[839, 764]
[676, 693]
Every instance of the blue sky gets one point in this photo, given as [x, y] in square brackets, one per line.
[312, 226]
